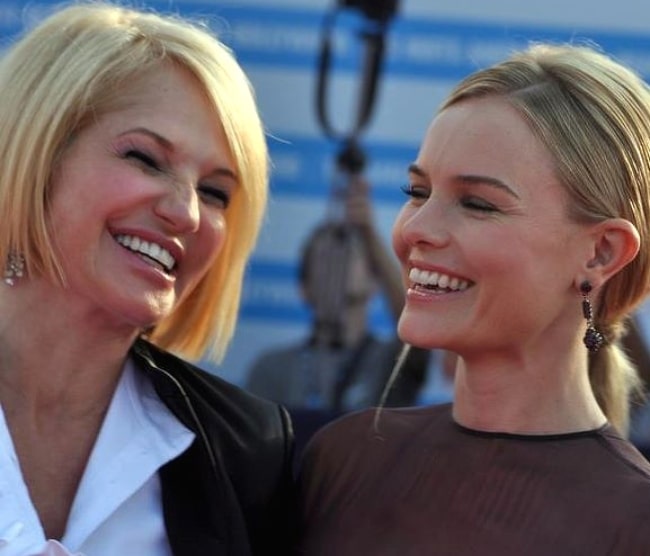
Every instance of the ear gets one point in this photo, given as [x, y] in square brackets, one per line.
[615, 244]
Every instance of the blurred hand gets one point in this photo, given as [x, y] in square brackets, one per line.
[358, 207]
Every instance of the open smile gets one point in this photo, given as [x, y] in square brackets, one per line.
[149, 251]
[436, 281]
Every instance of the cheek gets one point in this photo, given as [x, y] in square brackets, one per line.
[213, 236]
[509, 258]
[206, 245]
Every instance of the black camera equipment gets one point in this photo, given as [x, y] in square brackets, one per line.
[341, 247]
[381, 10]
[378, 14]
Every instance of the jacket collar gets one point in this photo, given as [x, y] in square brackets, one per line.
[199, 504]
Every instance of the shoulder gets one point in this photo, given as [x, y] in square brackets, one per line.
[384, 422]
[625, 454]
[357, 452]
[247, 442]
[371, 433]
[232, 417]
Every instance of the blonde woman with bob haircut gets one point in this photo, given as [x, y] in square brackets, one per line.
[524, 247]
[133, 186]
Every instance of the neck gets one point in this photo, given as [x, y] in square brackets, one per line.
[520, 396]
[66, 362]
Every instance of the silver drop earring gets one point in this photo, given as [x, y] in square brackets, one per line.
[14, 269]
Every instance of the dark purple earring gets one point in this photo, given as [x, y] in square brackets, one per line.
[593, 338]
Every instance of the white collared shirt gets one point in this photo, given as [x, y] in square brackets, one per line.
[117, 508]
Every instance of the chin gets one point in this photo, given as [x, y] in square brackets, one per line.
[145, 317]
[422, 331]
[418, 334]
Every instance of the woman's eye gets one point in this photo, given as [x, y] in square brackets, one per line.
[214, 196]
[415, 191]
[144, 158]
[476, 203]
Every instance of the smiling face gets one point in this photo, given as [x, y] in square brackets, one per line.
[488, 252]
[138, 201]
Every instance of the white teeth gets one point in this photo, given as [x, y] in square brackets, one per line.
[150, 249]
[437, 280]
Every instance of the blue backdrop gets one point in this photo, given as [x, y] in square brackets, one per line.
[430, 46]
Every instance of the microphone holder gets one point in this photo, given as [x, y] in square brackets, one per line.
[351, 159]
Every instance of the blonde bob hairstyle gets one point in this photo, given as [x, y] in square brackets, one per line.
[593, 116]
[75, 66]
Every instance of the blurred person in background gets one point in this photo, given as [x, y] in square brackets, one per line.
[342, 365]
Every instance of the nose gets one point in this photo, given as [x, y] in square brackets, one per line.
[179, 208]
[427, 224]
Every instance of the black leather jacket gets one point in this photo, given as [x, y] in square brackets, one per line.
[231, 492]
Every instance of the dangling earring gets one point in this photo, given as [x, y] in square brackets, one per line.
[593, 338]
[14, 269]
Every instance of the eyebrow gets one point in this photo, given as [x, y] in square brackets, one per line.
[155, 136]
[470, 179]
[167, 144]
